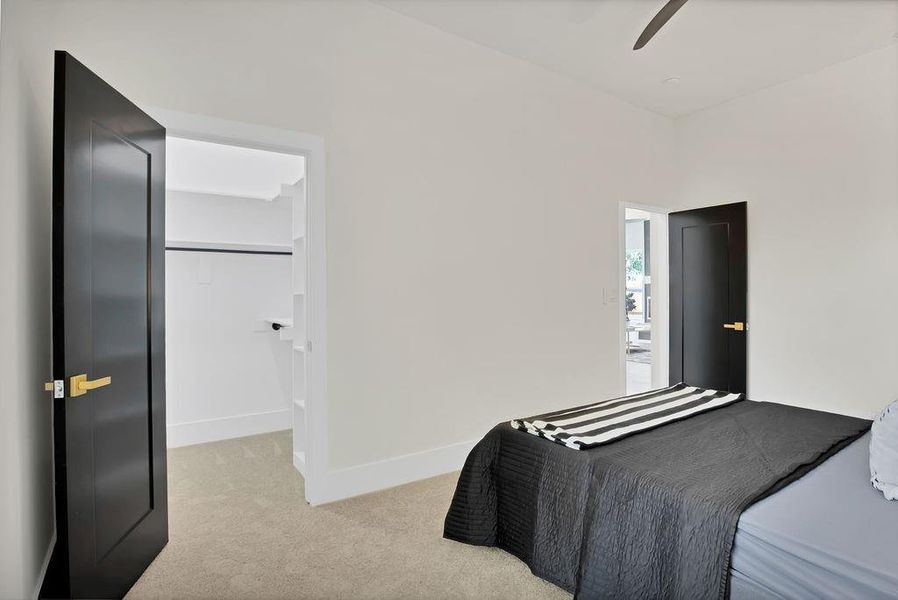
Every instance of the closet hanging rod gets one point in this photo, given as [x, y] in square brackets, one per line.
[228, 251]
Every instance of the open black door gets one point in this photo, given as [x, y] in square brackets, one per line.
[708, 291]
[108, 337]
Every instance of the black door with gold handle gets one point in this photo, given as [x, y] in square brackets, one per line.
[708, 297]
[108, 311]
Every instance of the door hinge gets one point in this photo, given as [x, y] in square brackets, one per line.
[57, 386]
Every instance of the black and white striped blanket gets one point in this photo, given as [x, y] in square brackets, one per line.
[592, 425]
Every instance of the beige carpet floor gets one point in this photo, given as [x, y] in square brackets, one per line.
[239, 528]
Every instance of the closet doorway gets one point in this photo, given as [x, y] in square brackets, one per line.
[244, 286]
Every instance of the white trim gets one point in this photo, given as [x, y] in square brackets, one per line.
[622, 294]
[236, 133]
[660, 242]
[382, 474]
[311, 147]
[224, 428]
[316, 404]
[44, 566]
[299, 462]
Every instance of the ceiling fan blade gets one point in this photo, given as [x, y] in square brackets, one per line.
[663, 16]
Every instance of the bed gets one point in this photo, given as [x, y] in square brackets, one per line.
[827, 535]
[695, 508]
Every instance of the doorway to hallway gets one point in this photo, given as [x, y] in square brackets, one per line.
[644, 318]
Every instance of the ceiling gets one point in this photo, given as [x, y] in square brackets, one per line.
[223, 170]
[719, 49]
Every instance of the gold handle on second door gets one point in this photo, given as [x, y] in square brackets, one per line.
[80, 384]
[737, 326]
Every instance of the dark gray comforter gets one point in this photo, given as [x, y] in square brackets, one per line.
[650, 516]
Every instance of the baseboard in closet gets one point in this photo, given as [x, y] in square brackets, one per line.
[224, 428]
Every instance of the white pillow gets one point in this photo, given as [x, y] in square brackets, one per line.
[884, 452]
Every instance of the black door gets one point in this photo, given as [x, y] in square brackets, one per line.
[108, 344]
[708, 289]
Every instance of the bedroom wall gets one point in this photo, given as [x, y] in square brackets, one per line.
[228, 373]
[817, 161]
[26, 504]
[472, 207]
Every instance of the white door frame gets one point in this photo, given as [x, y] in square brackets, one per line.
[660, 349]
[311, 147]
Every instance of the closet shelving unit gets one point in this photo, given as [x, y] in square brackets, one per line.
[300, 324]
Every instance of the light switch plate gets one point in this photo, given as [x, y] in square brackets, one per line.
[609, 295]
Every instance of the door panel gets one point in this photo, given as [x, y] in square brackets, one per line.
[108, 321]
[120, 185]
[708, 289]
[705, 263]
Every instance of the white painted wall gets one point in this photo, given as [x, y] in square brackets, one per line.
[817, 161]
[471, 219]
[26, 500]
[227, 372]
[464, 279]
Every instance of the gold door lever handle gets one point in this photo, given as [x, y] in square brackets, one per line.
[80, 384]
[738, 326]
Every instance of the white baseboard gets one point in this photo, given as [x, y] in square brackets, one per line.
[43, 572]
[382, 474]
[299, 462]
[211, 430]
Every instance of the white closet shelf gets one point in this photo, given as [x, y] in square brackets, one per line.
[226, 246]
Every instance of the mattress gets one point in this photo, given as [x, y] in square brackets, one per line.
[826, 535]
